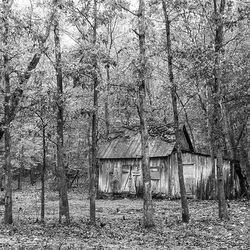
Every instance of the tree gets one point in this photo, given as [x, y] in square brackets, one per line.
[217, 136]
[6, 83]
[40, 113]
[94, 167]
[198, 55]
[61, 170]
[43, 125]
[110, 22]
[148, 210]
[185, 211]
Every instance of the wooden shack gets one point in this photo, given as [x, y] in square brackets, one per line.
[120, 166]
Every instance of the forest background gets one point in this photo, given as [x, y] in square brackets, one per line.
[72, 73]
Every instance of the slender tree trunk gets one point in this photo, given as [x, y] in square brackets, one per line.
[211, 148]
[107, 100]
[8, 186]
[221, 193]
[207, 108]
[213, 176]
[61, 171]
[21, 170]
[43, 169]
[184, 203]
[248, 152]
[20, 175]
[148, 210]
[93, 189]
[107, 66]
[19, 180]
[217, 112]
[6, 83]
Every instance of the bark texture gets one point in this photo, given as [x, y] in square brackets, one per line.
[94, 168]
[248, 153]
[6, 85]
[61, 170]
[43, 169]
[217, 128]
[184, 203]
[107, 100]
[148, 210]
[211, 148]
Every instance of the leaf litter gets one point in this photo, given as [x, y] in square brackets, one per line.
[119, 225]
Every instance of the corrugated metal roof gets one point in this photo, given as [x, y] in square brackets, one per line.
[130, 147]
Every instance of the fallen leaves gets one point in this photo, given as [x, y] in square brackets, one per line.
[119, 225]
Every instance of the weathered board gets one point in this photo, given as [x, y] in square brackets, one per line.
[125, 175]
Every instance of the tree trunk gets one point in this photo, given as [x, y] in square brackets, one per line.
[223, 214]
[8, 185]
[107, 100]
[217, 112]
[43, 169]
[184, 203]
[248, 152]
[148, 210]
[21, 171]
[32, 177]
[6, 84]
[93, 189]
[61, 171]
[19, 180]
[213, 176]
[211, 148]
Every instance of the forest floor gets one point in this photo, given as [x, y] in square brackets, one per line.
[119, 225]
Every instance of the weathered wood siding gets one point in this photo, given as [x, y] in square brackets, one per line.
[197, 170]
[120, 175]
[125, 175]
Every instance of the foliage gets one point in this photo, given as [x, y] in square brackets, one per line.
[34, 103]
